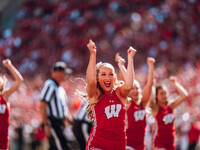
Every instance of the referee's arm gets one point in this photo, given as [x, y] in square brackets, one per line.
[43, 112]
[44, 118]
[45, 98]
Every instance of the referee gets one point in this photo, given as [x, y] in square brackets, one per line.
[82, 126]
[53, 107]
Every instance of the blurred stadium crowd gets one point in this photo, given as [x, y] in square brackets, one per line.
[46, 31]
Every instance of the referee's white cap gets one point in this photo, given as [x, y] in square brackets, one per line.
[61, 66]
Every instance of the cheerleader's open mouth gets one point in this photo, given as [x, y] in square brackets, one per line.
[107, 83]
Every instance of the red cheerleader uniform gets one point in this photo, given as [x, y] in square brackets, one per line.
[4, 123]
[136, 126]
[108, 132]
[165, 129]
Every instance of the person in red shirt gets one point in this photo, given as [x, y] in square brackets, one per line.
[4, 105]
[136, 106]
[162, 110]
[107, 99]
[193, 136]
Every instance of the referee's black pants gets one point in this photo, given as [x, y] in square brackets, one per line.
[57, 140]
[79, 133]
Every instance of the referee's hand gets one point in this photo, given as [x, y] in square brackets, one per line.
[47, 130]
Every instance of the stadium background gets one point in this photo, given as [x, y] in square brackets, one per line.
[35, 34]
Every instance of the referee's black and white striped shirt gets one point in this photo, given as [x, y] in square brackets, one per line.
[82, 114]
[56, 98]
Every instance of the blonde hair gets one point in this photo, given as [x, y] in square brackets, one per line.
[3, 81]
[117, 83]
[84, 96]
[137, 84]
